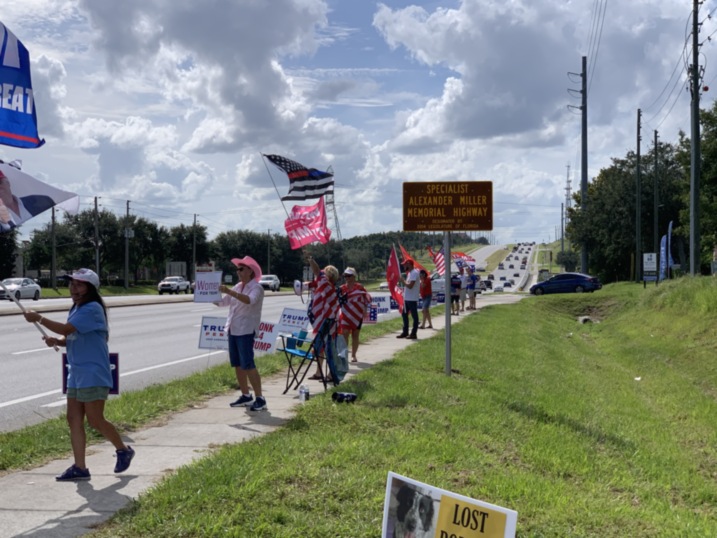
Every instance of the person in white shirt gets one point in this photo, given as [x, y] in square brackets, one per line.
[244, 301]
[411, 294]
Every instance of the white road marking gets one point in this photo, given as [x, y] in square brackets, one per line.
[141, 370]
[31, 351]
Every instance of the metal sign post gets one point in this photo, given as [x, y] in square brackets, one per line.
[447, 206]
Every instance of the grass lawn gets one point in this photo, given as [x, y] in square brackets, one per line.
[599, 429]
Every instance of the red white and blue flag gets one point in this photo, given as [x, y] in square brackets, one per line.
[304, 183]
[439, 260]
[353, 306]
[324, 303]
[18, 119]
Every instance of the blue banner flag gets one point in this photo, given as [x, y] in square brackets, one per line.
[18, 120]
[663, 258]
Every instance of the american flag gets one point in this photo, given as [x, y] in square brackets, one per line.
[371, 314]
[439, 260]
[354, 306]
[304, 183]
[325, 303]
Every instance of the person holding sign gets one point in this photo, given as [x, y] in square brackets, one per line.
[244, 301]
[89, 378]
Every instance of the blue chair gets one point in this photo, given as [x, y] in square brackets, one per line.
[301, 353]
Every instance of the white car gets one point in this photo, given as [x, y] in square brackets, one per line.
[173, 284]
[21, 288]
[270, 282]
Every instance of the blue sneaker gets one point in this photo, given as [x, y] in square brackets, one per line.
[243, 401]
[124, 458]
[74, 474]
[258, 405]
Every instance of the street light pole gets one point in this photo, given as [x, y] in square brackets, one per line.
[268, 251]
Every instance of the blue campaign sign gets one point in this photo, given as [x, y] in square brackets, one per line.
[18, 120]
[114, 370]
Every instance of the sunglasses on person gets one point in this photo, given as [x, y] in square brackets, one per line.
[348, 276]
[241, 268]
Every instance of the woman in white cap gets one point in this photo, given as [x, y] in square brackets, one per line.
[244, 301]
[354, 301]
[89, 378]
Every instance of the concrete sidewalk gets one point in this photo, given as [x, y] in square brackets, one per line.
[33, 504]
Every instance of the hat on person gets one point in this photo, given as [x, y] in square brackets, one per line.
[408, 260]
[85, 275]
[349, 271]
[249, 262]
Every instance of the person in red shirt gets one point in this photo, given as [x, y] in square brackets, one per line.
[426, 291]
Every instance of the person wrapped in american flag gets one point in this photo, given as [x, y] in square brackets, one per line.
[324, 305]
[354, 299]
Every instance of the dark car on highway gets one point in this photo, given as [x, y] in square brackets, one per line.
[567, 283]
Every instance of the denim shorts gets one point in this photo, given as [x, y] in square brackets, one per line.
[241, 351]
[426, 301]
[88, 394]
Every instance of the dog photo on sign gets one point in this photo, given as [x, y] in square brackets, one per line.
[412, 511]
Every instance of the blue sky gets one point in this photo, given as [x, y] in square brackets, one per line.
[170, 103]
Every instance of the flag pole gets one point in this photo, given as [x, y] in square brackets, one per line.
[36, 324]
[273, 183]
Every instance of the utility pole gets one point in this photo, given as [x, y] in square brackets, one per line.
[97, 240]
[53, 266]
[562, 227]
[126, 249]
[584, 160]
[695, 146]
[655, 197]
[638, 202]
[192, 273]
[268, 251]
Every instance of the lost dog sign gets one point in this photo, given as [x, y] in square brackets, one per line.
[418, 510]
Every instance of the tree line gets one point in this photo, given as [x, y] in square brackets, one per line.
[607, 224]
[78, 239]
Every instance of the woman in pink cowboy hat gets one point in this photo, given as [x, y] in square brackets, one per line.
[244, 301]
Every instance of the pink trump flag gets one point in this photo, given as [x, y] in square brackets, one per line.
[307, 224]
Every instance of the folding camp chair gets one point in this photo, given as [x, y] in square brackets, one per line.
[300, 353]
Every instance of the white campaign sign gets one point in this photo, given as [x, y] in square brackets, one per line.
[211, 333]
[206, 286]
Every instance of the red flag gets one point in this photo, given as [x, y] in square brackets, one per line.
[406, 256]
[393, 275]
[307, 224]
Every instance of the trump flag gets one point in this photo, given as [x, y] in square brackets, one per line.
[23, 197]
[307, 224]
[18, 121]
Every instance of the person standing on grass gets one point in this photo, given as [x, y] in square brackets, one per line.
[89, 378]
[411, 293]
[244, 301]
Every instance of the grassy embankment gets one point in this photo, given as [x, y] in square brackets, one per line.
[598, 429]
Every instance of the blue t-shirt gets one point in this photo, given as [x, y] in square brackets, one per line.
[87, 352]
[472, 279]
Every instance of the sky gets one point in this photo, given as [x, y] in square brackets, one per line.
[169, 104]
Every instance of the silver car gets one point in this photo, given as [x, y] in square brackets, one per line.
[20, 288]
